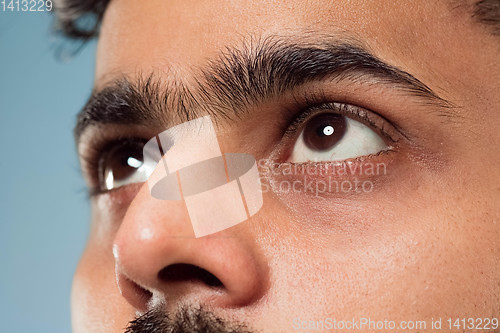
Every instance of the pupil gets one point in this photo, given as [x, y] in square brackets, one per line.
[324, 131]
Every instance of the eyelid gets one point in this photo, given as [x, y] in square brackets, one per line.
[369, 118]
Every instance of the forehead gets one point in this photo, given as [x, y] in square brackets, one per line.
[182, 33]
[436, 41]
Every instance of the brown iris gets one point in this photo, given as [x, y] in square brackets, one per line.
[121, 161]
[324, 131]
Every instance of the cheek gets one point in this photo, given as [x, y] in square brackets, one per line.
[96, 304]
[415, 255]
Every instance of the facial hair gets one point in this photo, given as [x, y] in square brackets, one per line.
[186, 320]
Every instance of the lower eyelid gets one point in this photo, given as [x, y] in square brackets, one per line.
[123, 195]
[382, 164]
[361, 159]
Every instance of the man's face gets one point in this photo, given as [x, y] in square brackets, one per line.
[374, 124]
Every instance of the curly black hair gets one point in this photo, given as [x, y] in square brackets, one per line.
[81, 19]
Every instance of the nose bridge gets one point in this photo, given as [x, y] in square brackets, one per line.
[220, 190]
[176, 149]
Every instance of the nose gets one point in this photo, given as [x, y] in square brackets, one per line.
[157, 256]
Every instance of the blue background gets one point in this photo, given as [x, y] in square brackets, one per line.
[44, 210]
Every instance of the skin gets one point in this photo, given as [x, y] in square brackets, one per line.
[423, 244]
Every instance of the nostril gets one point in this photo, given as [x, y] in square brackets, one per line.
[187, 272]
[135, 294]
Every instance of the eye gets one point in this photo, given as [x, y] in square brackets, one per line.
[330, 136]
[124, 164]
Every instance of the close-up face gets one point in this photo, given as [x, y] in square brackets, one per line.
[374, 129]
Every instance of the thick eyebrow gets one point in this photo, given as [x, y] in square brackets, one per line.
[487, 12]
[239, 78]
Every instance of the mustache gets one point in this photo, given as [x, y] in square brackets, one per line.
[186, 319]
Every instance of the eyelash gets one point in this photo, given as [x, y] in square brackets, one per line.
[310, 102]
[313, 104]
[369, 118]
